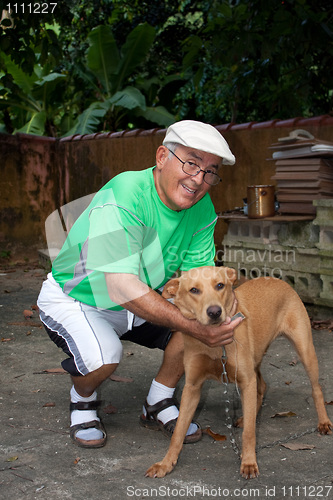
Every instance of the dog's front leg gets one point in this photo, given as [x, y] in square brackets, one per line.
[249, 467]
[189, 402]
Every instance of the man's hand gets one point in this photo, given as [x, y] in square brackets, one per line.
[216, 336]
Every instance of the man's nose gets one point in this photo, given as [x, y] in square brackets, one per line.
[199, 177]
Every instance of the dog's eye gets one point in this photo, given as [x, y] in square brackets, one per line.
[219, 286]
[194, 290]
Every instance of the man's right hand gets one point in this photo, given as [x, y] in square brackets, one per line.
[215, 336]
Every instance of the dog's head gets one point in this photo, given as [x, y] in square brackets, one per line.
[203, 293]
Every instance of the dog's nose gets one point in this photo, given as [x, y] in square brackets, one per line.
[214, 312]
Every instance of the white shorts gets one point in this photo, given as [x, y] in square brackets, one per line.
[91, 336]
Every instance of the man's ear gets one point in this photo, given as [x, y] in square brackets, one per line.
[162, 154]
[171, 288]
[229, 274]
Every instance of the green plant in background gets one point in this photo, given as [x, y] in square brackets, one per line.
[255, 60]
[96, 65]
[109, 73]
[5, 254]
[104, 91]
[34, 99]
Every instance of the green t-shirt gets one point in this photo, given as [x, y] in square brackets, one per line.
[128, 229]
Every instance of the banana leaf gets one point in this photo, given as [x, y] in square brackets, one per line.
[134, 51]
[103, 55]
[129, 98]
[24, 81]
[89, 120]
[36, 124]
[158, 115]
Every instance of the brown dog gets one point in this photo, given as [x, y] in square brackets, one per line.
[271, 307]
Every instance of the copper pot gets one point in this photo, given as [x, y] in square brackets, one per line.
[260, 201]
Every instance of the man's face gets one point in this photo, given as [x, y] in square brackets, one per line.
[177, 189]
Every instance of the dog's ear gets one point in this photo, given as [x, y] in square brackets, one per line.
[229, 275]
[170, 289]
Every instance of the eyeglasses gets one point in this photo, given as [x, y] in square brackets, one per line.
[192, 169]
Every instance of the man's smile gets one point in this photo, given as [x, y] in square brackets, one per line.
[189, 190]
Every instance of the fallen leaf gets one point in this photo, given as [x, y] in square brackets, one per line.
[118, 378]
[5, 340]
[55, 370]
[12, 459]
[28, 333]
[77, 460]
[329, 403]
[298, 446]
[27, 313]
[214, 435]
[110, 409]
[288, 382]
[35, 308]
[284, 414]
[293, 362]
[322, 324]
[49, 405]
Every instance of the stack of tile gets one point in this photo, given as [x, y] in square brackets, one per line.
[303, 173]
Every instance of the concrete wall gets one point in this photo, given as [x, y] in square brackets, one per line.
[38, 175]
[30, 185]
[298, 252]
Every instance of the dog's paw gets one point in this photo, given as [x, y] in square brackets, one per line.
[325, 427]
[249, 471]
[159, 470]
[239, 423]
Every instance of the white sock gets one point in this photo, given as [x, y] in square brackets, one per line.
[157, 392]
[81, 416]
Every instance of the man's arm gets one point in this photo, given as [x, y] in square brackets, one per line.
[135, 296]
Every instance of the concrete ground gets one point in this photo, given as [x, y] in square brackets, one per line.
[39, 461]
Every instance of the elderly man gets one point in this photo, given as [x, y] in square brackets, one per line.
[105, 285]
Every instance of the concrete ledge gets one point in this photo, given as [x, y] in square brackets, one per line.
[299, 252]
[47, 256]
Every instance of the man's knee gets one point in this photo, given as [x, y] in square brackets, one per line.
[86, 384]
[114, 352]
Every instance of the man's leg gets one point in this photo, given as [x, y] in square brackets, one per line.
[87, 384]
[165, 382]
[88, 337]
[172, 368]
[84, 392]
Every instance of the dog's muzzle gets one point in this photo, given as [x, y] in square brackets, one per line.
[214, 313]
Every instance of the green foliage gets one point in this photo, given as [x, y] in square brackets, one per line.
[108, 71]
[95, 65]
[26, 37]
[255, 60]
[111, 100]
[33, 98]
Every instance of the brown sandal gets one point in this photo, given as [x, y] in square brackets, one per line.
[83, 443]
[150, 421]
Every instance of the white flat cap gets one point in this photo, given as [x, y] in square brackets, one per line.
[201, 136]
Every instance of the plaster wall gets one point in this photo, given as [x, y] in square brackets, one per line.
[39, 175]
